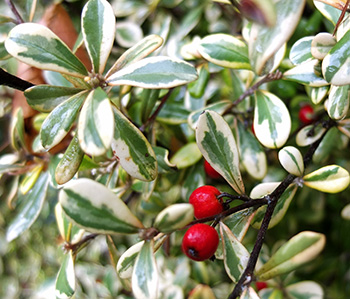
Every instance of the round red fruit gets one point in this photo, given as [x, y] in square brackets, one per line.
[200, 242]
[260, 285]
[210, 171]
[306, 114]
[205, 202]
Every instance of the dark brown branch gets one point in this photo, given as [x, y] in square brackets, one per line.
[14, 10]
[13, 81]
[77, 246]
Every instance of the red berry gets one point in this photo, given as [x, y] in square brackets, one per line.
[205, 202]
[306, 114]
[210, 171]
[200, 242]
[260, 285]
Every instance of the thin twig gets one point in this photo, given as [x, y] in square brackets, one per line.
[19, 19]
[13, 81]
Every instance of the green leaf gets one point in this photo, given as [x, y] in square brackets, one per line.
[198, 87]
[186, 156]
[30, 178]
[128, 33]
[301, 50]
[174, 217]
[330, 179]
[259, 11]
[218, 146]
[17, 130]
[139, 51]
[45, 98]
[236, 256]
[291, 160]
[195, 177]
[239, 222]
[317, 94]
[305, 289]
[264, 42]
[65, 281]
[309, 135]
[336, 64]
[58, 123]
[145, 274]
[98, 28]
[164, 166]
[225, 50]
[272, 121]
[338, 102]
[3, 53]
[96, 123]
[132, 149]
[97, 209]
[328, 11]
[70, 162]
[38, 46]
[5, 19]
[281, 207]
[173, 114]
[299, 250]
[252, 154]
[30, 208]
[154, 72]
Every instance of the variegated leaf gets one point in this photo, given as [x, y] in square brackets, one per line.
[332, 13]
[173, 114]
[17, 129]
[58, 123]
[281, 207]
[336, 64]
[291, 160]
[252, 154]
[95, 208]
[30, 179]
[154, 72]
[330, 179]
[264, 42]
[38, 46]
[126, 262]
[236, 256]
[225, 50]
[139, 51]
[98, 28]
[300, 249]
[186, 156]
[321, 44]
[128, 33]
[338, 102]
[305, 289]
[70, 162]
[301, 50]
[164, 165]
[218, 146]
[174, 217]
[30, 208]
[258, 11]
[133, 150]
[317, 94]
[309, 135]
[304, 73]
[272, 121]
[65, 281]
[96, 123]
[145, 275]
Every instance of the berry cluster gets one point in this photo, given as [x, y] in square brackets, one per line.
[201, 240]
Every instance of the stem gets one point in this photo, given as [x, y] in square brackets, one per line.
[77, 246]
[13, 81]
[10, 4]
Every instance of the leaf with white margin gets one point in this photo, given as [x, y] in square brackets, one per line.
[96, 123]
[304, 73]
[291, 160]
[321, 44]
[154, 72]
[30, 178]
[309, 135]
[336, 64]
[126, 262]
[317, 94]
[38, 46]
[272, 121]
[186, 156]
[164, 165]
[330, 179]
[239, 222]
[330, 9]
[30, 208]
[97, 209]
[17, 129]
[65, 281]
[281, 208]
[297, 251]
[301, 50]
[305, 289]
[236, 256]
[338, 102]
[133, 150]
[217, 144]
[264, 42]
[58, 123]
[145, 275]
[253, 156]
[45, 98]
[98, 28]
[174, 217]
[225, 50]
[139, 51]
[128, 33]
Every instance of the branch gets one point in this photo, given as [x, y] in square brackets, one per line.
[13, 81]
[10, 4]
